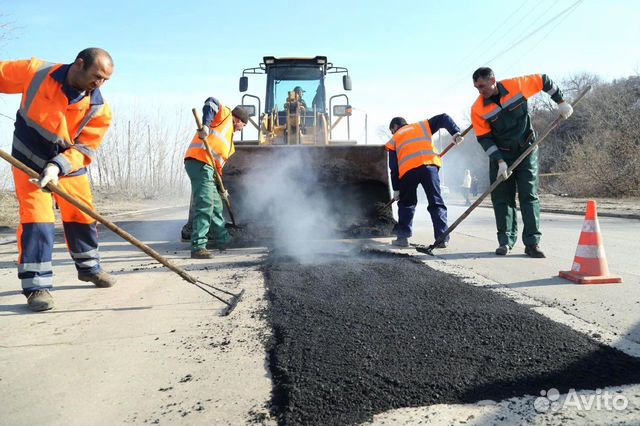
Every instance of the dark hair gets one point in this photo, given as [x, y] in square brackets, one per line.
[398, 121]
[90, 54]
[482, 72]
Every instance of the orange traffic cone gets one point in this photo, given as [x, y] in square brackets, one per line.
[590, 264]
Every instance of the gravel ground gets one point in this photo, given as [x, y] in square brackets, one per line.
[351, 341]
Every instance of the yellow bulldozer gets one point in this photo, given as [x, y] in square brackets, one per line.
[295, 176]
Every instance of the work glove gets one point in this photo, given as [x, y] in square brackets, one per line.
[565, 109]
[203, 132]
[502, 169]
[49, 174]
[457, 138]
[396, 195]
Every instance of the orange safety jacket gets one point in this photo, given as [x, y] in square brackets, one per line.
[504, 130]
[414, 147]
[220, 141]
[48, 127]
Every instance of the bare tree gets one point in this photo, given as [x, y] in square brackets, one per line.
[142, 156]
[603, 155]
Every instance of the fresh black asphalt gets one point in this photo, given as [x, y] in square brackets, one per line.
[357, 334]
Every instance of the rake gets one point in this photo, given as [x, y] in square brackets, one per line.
[230, 304]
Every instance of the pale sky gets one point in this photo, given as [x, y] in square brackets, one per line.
[411, 58]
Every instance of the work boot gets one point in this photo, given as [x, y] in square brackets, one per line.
[185, 233]
[443, 244]
[40, 300]
[400, 242]
[502, 250]
[534, 251]
[102, 279]
[203, 253]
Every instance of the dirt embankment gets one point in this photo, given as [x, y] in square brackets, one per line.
[628, 207]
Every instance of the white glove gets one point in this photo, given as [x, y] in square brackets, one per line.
[203, 132]
[396, 195]
[502, 170]
[457, 138]
[49, 174]
[565, 109]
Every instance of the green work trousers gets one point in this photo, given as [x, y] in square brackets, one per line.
[207, 206]
[524, 179]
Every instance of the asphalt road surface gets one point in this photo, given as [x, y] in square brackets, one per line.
[154, 350]
[360, 333]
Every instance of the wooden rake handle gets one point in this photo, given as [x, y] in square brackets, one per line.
[451, 145]
[106, 222]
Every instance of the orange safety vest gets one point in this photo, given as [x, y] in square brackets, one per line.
[484, 112]
[74, 130]
[414, 147]
[220, 140]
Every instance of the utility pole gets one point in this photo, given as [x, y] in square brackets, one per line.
[150, 152]
[128, 184]
[366, 128]
[366, 124]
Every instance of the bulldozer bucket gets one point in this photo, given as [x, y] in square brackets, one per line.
[335, 189]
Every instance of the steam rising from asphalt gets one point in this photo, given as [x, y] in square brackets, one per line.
[468, 155]
[284, 191]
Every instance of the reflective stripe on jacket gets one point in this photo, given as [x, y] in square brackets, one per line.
[414, 147]
[220, 140]
[505, 130]
[48, 128]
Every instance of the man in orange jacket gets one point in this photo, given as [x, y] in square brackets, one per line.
[219, 124]
[501, 121]
[60, 124]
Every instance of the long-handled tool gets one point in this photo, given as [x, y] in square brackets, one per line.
[216, 175]
[444, 151]
[498, 181]
[231, 303]
[452, 144]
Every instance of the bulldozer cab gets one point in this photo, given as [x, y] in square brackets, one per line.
[296, 110]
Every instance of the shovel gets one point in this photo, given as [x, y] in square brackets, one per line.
[429, 249]
[451, 145]
[230, 304]
[216, 175]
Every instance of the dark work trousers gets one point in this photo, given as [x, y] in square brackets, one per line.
[524, 181]
[428, 177]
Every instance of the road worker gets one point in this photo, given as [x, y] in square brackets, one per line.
[60, 124]
[219, 123]
[414, 160]
[501, 121]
